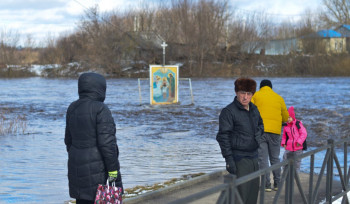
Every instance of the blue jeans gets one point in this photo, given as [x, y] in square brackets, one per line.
[270, 150]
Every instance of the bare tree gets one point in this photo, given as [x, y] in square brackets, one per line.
[49, 54]
[184, 16]
[305, 30]
[99, 35]
[307, 24]
[9, 40]
[28, 55]
[284, 31]
[210, 18]
[336, 12]
[251, 31]
[166, 24]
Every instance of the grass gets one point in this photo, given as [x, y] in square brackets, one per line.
[18, 124]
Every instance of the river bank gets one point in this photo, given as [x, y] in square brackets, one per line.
[253, 65]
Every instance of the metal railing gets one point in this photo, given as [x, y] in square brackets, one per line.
[229, 191]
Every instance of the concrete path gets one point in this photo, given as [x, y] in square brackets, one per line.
[186, 188]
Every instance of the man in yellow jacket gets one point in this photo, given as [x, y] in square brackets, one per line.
[274, 112]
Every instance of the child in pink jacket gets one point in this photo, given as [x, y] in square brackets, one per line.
[294, 135]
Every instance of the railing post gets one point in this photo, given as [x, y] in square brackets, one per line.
[289, 181]
[230, 179]
[140, 91]
[329, 177]
[311, 180]
[189, 80]
[346, 163]
[262, 188]
[286, 189]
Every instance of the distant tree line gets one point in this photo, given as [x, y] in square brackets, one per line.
[205, 36]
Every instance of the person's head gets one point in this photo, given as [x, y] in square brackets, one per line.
[92, 85]
[265, 82]
[245, 88]
[291, 114]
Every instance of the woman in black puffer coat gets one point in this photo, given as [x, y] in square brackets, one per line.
[90, 140]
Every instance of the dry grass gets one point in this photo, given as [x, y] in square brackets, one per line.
[341, 67]
[14, 125]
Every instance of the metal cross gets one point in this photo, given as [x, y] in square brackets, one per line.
[164, 45]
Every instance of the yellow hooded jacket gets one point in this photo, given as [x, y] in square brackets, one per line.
[272, 109]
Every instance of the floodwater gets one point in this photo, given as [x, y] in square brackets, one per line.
[156, 143]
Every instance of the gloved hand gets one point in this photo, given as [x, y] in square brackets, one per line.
[230, 165]
[112, 176]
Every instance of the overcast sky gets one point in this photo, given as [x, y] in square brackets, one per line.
[42, 18]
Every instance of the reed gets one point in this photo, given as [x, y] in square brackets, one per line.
[15, 125]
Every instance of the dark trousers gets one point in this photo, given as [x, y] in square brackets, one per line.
[81, 201]
[249, 191]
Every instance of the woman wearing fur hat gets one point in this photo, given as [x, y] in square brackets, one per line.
[239, 135]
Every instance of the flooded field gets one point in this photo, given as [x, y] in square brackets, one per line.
[156, 143]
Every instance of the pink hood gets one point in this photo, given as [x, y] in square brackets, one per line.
[291, 112]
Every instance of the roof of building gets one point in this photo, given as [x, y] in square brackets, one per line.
[344, 30]
[324, 34]
[346, 26]
[328, 34]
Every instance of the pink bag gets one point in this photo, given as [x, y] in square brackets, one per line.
[107, 194]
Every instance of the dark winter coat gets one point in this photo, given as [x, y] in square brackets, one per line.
[90, 139]
[240, 130]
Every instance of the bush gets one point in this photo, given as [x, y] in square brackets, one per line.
[16, 72]
[341, 67]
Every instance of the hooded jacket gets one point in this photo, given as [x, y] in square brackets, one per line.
[90, 139]
[295, 135]
[240, 130]
[272, 108]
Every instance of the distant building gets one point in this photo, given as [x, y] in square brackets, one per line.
[323, 41]
[273, 47]
[328, 41]
[345, 31]
[141, 44]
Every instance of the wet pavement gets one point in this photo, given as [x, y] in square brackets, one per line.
[205, 182]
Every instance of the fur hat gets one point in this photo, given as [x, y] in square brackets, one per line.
[245, 84]
[265, 82]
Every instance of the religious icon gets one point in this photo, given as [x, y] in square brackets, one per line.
[164, 84]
